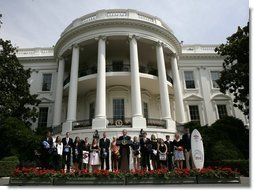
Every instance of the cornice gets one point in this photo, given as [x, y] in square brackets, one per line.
[116, 22]
[200, 56]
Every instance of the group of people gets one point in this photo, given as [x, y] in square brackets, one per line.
[147, 153]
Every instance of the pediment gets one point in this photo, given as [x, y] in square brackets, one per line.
[193, 97]
[46, 100]
[221, 96]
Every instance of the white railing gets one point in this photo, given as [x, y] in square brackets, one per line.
[34, 52]
[198, 48]
[116, 13]
[145, 18]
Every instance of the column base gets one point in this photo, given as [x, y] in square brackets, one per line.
[99, 123]
[67, 127]
[171, 125]
[139, 122]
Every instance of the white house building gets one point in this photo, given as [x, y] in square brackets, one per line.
[124, 69]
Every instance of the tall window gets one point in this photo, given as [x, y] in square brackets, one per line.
[189, 79]
[91, 111]
[43, 117]
[215, 76]
[46, 82]
[145, 108]
[118, 109]
[194, 113]
[222, 111]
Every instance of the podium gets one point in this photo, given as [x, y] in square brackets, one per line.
[124, 161]
[124, 142]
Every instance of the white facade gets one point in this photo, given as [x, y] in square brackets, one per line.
[116, 69]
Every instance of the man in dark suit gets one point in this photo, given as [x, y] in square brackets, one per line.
[187, 148]
[47, 146]
[67, 145]
[170, 152]
[104, 151]
[145, 151]
[124, 142]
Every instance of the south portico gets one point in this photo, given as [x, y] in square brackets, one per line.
[142, 47]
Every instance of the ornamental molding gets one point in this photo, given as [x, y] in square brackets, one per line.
[34, 59]
[220, 96]
[192, 97]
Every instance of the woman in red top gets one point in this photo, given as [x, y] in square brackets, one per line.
[115, 154]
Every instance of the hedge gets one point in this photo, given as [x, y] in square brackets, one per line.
[8, 165]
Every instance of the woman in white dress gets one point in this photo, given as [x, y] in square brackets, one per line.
[178, 151]
[94, 155]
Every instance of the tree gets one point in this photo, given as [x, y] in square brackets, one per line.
[15, 98]
[235, 75]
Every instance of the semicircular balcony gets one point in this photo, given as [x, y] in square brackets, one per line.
[117, 65]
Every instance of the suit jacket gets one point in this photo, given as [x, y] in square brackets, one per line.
[170, 146]
[127, 146]
[104, 144]
[186, 142]
[70, 143]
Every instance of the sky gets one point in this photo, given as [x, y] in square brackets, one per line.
[39, 23]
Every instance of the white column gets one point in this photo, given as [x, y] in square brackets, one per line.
[164, 97]
[180, 114]
[137, 117]
[73, 91]
[100, 120]
[59, 93]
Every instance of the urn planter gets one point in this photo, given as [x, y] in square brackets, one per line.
[160, 180]
[33, 181]
[89, 181]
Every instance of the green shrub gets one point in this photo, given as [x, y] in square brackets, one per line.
[225, 150]
[11, 158]
[8, 165]
[18, 139]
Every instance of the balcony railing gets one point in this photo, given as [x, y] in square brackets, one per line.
[117, 68]
[113, 123]
[82, 124]
[119, 122]
[155, 123]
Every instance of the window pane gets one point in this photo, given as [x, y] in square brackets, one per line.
[118, 109]
[215, 76]
[189, 79]
[222, 111]
[43, 117]
[194, 113]
[46, 82]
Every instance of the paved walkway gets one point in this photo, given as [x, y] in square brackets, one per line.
[245, 182]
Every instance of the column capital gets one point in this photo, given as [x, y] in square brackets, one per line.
[60, 58]
[75, 45]
[102, 37]
[133, 36]
[160, 43]
[174, 55]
